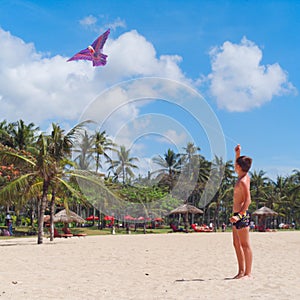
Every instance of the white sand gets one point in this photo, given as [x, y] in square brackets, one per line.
[166, 266]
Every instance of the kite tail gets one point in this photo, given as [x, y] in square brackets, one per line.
[101, 61]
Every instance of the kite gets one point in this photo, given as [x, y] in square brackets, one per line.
[94, 52]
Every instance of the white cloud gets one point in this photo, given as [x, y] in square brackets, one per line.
[133, 53]
[239, 81]
[118, 23]
[36, 88]
[91, 22]
[40, 89]
[174, 137]
[88, 21]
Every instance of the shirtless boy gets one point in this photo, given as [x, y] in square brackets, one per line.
[241, 218]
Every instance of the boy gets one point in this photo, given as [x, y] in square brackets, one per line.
[241, 218]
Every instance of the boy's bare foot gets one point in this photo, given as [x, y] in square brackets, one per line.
[238, 276]
[247, 276]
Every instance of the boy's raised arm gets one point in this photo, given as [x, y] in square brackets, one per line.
[237, 150]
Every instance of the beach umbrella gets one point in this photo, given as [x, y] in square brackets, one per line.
[143, 219]
[67, 217]
[111, 219]
[129, 218]
[264, 212]
[186, 209]
[92, 218]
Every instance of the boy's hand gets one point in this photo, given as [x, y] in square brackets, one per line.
[237, 148]
[234, 219]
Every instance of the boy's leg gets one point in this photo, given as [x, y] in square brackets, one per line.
[244, 239]
[239, 253]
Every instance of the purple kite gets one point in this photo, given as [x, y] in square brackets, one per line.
[94, 52]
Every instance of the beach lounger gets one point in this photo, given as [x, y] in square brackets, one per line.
[61, 235]
[201, 228]
[176, 229]
[68, 231]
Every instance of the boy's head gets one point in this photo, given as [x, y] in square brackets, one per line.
[244, 162]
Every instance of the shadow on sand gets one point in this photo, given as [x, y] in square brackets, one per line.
[199, 279]
[186, 280]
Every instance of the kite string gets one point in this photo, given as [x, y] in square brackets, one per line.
[231, 139]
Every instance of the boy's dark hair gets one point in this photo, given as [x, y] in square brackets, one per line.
[244, 162]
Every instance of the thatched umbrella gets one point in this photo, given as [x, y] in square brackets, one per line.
[264, 212]
[67, 217]
[186, 209]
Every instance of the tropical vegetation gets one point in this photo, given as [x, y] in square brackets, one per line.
[42, 171]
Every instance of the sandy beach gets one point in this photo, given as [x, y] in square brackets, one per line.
[166, 266]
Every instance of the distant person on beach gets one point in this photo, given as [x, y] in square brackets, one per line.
[252, 225]
[241, 218]
[223, 227]
[8, 222]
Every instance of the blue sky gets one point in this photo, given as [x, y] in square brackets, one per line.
[241, 56]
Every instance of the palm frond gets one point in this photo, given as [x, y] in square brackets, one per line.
[15, 189]
[10, 155]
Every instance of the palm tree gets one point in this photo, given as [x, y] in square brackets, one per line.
[38, 177]
[124, 164]
[84, 148]
[281, 196]
[258, 187]
[11, 170]
[226, 190]
[170, 163]
[190, 150]
[192, 161]
[102, 144]
[23, 135]
[5, 134]
[44, 171]
[294, 194]
[59, 148]
[18, 135]
[295, 177]
[221, 177]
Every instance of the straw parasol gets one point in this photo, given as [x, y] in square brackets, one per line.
[264, 212]
[67, 217]
[186, 209]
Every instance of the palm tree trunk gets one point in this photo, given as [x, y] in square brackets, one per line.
[97, 162]
[94, 214]
[42, 212]
[123, 167]
[52, 203]
[186, 222]
[208, 215]
[216, 215]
